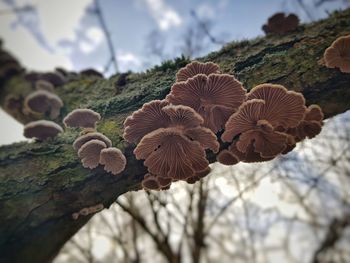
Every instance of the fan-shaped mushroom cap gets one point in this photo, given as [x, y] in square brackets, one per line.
[279, 23]
[227, 157]
[41, 129]
[310, 126]
[268, 144]
[82, 118]
[149, 118]
[55, 78]
[158, 114]
[89, 153]
[150, 182]
[113, 160]
[214, 97]
[338, 54]
[163, 181]
[282, 107]
[168, 153]
[44, 85]
[91, 136]
[198, 175]
[194, 68]
[249, 156]
[42, 101]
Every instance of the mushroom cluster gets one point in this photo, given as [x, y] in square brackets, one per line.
[43, 100]
[93, 147]
[280, 23]
[88, 211]
[204, 106]
[338, 54]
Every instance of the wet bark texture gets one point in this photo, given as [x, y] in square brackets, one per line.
[43, 183]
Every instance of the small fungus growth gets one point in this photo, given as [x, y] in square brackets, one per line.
[279, 23]
[113, 160]
[338, 54]
[82, 118]
[41, 130]
[44, 85]
[89, 153]
[87, 211]
[195, 68]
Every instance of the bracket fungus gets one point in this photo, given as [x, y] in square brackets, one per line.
[91, 136]
[171, 139]
[150, 182]
[43, 101]
[214, 97]
[113, 160]
[338, 54]
[41, 129]
[82, 118]
[279, 23]
[44, 85]
[89, 153]
[194, 68]
[256, 126]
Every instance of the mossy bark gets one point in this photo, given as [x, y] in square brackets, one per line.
[43, 183]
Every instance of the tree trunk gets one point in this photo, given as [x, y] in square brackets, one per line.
[43, 183]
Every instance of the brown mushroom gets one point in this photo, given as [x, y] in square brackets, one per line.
[41, 129]
[113, 160]
[227, 157]
[82, 118]
[338, 54]
[214, 97]
[149, 118]
[150, 182]
[42, 101]
[91, 136]
[310, 126]
[198, 175]
[194, 68]
[89, 153]
[279, 23]
[44, 85]
[249, 156]
[168, 153]
[55, 78]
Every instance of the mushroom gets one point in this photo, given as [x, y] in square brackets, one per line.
[249, 156]
[55, 78]
[82, 118]
[170, 154]
[91, 136]
[214, 97]
[163, 181]
[44, 85]
[149, 118]
[338, 54]
[198, 175]
[90, 72]
[195, 68]
[150, 182]
[113, 160]
[158, 114]
[89, 153]
[310, 126]
[41, 129]
[279, 23]
[259, 120]
[227, 157]
[42, 101]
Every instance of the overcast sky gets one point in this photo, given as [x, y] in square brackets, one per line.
[66, 33]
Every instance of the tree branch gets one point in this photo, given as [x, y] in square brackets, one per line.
[42, 184]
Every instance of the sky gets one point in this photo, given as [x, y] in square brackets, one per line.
[68, 34]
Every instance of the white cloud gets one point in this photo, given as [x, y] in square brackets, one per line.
[205, 10]
[165, 16]
[128, 61]
[94, 37]
[60, 19]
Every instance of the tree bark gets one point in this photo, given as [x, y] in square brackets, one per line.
[43, 183]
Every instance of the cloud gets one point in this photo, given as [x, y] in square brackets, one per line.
[165, 16]
[93, 38]
[205, 10]
[128, 61]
